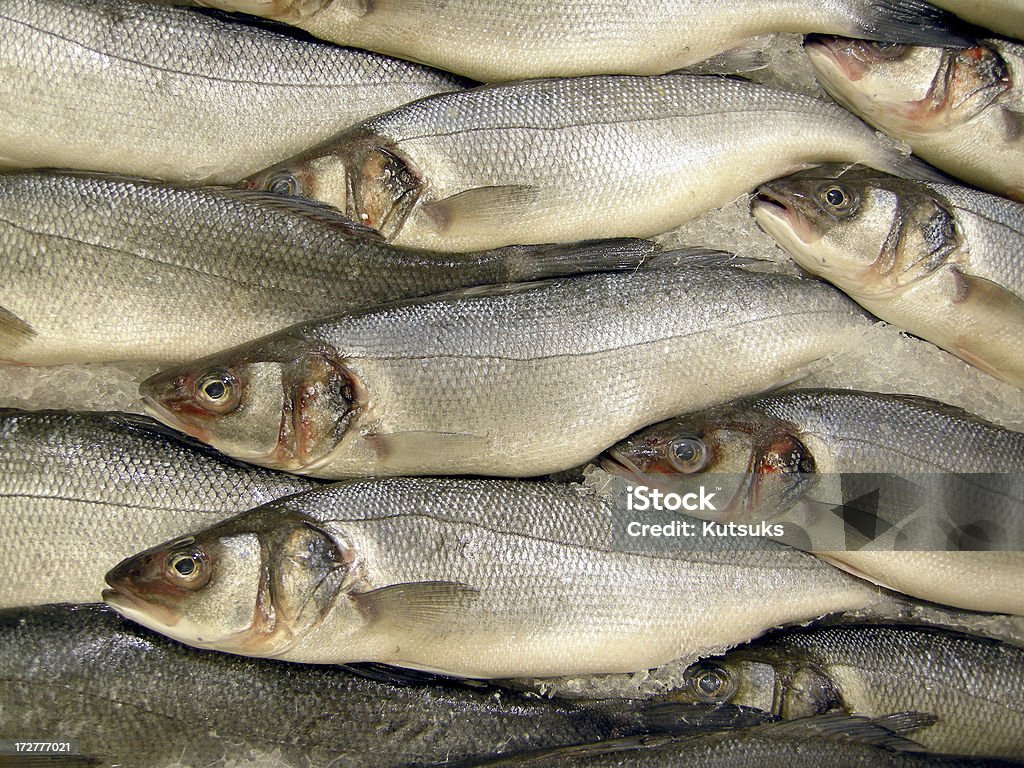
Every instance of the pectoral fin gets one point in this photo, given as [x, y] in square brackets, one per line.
[991, 316]
[1013, 124]
[425, 606]
[481, 210]
[14, 333]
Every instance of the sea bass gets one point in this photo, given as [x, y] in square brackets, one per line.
[974, 687]
[938, 260]
[104, 268]
[475, 578]
[514, 381]
[491, 41]
[125, 696]
[824, 741]
[79, 492]
[815, 457]
[961, 109]
[163, 92]
[566, 159]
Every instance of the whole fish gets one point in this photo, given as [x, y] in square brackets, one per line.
[938, 260]
[1003, 16]
[514, 381]
[974, 687]
[171, 93]
[555, 160]
[104, 268]
[475, 578]
[125, 696]
[781, 456]
[79, 492]
[491, 41]
[825, 741]
[961, 109]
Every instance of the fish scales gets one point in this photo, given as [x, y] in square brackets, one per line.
[165, 92]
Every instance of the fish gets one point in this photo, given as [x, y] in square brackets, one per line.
[501, 41]
[469, 578]
[872, 473]
[824, 741]
[938, 260]
[1003, 16]
[564, 159]
[974, 687]
[961, 109]
[517, 381]
[81, 491]
[138, 270]
[125, 696]
[153, 90]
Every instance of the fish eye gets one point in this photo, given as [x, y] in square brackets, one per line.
[687, 454]
[217, 391]
[838, 200]
[711, 683]
[187, 568]
[283, 184]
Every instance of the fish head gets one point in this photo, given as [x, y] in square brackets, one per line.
[279, 402]
[910, 90]
[867, 232]
[367, 179]
[250, 585]
[757, 462]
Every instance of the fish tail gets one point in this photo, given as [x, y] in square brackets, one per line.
[912, 22]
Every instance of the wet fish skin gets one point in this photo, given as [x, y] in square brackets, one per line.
[825, 741]
[510, 163]
[151, 702]
[80, 491]
[517, 381]
[197, 270]
[497, 41]
[153, 90]
[782, 454]
[1003, 16]
[960, 109]
[973, 686]
[467, 577]
[938, 260]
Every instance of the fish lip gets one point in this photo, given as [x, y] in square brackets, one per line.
[766, 197]
[614, 462]
[166, 416]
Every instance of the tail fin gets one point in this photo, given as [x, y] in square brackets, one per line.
[912, 22]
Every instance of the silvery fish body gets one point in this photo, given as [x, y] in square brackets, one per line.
[563, 159]
[909, 492]
[78, 492]
[125, 696]
[477, 578]
[974, 687]
[501, 40]
[104, 268]
[961, 109]
[514, 381]
[163, 92]
[938, 260]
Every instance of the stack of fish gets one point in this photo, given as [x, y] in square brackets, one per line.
[335, 264]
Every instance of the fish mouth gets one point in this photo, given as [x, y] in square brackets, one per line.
[135, 608]
[166, 416]
[838, 53]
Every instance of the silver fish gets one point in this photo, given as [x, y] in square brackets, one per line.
[128, 697]
[171, 93]
[102, 268]
[973, 687]
[788, 456]
[513, 381]
[496, 40]
[476, 578]
[557, 160]
[938, 260]
[79, 492]
[961, 109]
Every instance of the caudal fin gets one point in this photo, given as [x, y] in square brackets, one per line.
[911, 22]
